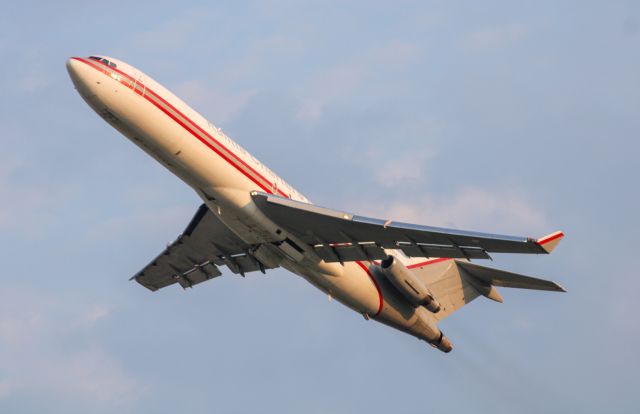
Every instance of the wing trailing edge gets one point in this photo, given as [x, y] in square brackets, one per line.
[338, 236]
[196, 255]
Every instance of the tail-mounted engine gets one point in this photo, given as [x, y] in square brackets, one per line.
[408, 284]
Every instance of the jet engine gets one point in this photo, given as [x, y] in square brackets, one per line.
[443, 344]
[408, 284]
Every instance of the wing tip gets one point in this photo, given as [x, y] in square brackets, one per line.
[136, 279]
[550, 241]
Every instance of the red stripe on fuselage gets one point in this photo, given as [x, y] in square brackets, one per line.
[131, 84]
[96, 65]
[218, 142]
[428, 262]
[375, 282]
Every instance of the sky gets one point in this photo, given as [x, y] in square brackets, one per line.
[489, 116]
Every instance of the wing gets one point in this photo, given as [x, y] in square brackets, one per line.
[338, 236]
[195, 256]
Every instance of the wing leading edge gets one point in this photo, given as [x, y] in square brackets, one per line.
[194, 257]
[339, 236]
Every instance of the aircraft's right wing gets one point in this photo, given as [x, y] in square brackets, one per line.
[338, 236]
[195, 256]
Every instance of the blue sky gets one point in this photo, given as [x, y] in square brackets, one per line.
[490, 116]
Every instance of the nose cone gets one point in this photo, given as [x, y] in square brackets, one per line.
[79, 74]
[73, 68]
[77, 70]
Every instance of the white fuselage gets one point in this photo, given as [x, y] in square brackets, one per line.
[224, 174]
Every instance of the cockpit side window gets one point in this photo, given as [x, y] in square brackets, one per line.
[103, 60]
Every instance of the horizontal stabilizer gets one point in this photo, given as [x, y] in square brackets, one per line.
[497, 277]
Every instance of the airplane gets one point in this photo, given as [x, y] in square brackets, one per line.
[407, 276]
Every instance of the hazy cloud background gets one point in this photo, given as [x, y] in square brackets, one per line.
[493, 116]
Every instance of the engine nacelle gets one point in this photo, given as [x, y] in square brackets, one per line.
[443, 344]
[408, 284]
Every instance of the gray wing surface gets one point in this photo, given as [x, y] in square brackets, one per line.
[194, 257]
[339, 236]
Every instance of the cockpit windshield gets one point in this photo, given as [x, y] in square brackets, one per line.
[103, 60]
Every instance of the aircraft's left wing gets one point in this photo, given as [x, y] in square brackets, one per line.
[195, 256]
[338, 236]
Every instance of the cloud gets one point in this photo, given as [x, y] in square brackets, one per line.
[173, 219]
[219, 104]
[470, 208]
[403, 170]
[7, 168]
[35, 333]
[5, 388]
[33, 81]
[91, 375]
[26, 206]
[223, 88]
[32, 77]
[494, 38]
[344, 78]
[172, 34]
[93, 314]
[397, 169]
[262, 56]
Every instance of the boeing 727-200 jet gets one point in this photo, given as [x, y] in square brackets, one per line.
[404, 275]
